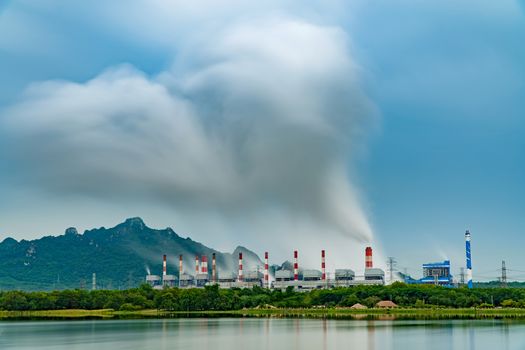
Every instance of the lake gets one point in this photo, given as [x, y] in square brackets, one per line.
[260, 333]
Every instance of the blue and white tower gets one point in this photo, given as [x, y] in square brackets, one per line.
[469, 260]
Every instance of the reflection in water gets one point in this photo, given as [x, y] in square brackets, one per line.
[505, 333]
[267, 334]
[471, 342]
[371, 335]
[235, 333]
[325, 327]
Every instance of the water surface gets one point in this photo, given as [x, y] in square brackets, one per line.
[249, 334]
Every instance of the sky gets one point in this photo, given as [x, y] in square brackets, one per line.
[278, 125]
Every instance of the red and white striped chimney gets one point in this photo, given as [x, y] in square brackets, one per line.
[180, 268]
[204, 264]
[368, 258]
[295, 266]
[164, 266]
[266, 278]
[323, 266]
[240, 267]
[196, 265]
[213, 268]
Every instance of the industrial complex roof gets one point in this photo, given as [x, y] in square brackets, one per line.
[445, 264]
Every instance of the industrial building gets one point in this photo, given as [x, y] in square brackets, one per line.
[170, 281]
[315, 279]
[344, 277]
[154, 281]
[186, 280]
[283, 279]
[437, 273]
[374, 276]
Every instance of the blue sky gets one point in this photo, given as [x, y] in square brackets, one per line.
[434, 146]
[450, 154]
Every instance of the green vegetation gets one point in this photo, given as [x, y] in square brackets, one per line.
[263, 301]
[119, 256]
[330, 313]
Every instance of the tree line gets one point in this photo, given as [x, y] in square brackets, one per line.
[213, 298]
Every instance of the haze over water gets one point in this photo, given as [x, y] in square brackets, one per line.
[227, 333]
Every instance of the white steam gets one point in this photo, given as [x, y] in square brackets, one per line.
[256, 124]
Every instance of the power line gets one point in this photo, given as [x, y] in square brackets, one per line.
[503, 275]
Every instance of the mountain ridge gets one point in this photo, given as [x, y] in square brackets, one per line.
[120, 256]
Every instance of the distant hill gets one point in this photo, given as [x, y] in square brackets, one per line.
[120, 257]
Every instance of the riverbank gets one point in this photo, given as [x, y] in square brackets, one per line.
[331, 313]
[81, 314]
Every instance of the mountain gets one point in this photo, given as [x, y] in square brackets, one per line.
[120, 256]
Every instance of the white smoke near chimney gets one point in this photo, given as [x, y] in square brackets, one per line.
[254, 126]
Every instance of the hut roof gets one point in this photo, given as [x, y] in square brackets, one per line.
[358, 306]
[386, 304]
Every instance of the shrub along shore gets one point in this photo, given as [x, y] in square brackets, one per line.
[144, 301]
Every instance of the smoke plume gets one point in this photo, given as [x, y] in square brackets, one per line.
[256, 123]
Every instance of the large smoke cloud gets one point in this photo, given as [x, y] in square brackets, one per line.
[258, 118]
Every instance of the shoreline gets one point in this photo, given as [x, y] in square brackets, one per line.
[334, 313]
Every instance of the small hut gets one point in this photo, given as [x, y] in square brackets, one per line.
[386, 304]
[358, 307]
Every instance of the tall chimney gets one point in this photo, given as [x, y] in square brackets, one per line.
[240, 268]
[180, 269]
[368, 258]
[196, 265]
[204, 264]
[266, 278]
[469, 260]
[213, 268]
[295, 266]
[323, 266]
[164, 267]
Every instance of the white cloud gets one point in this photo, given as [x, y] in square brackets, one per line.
[259, 117]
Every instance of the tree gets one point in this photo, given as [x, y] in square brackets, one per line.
[371, 301]
[14, 300]
[508, 303]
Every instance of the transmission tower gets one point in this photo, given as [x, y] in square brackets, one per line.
[503, 275]
[391, 264]
[462, 275]
[94, 281]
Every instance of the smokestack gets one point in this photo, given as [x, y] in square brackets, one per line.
[368, 258]
[266, 277]
[213, 268]
[469, 260]
[164, 267]
[196, 265]
[323, 266]
[204, 264]
[180, 269]
[295, 266]
[240, 267]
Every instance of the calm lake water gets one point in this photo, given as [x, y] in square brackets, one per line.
[227, 333]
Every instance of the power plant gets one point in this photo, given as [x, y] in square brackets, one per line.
[297, 278]
[437, 273]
